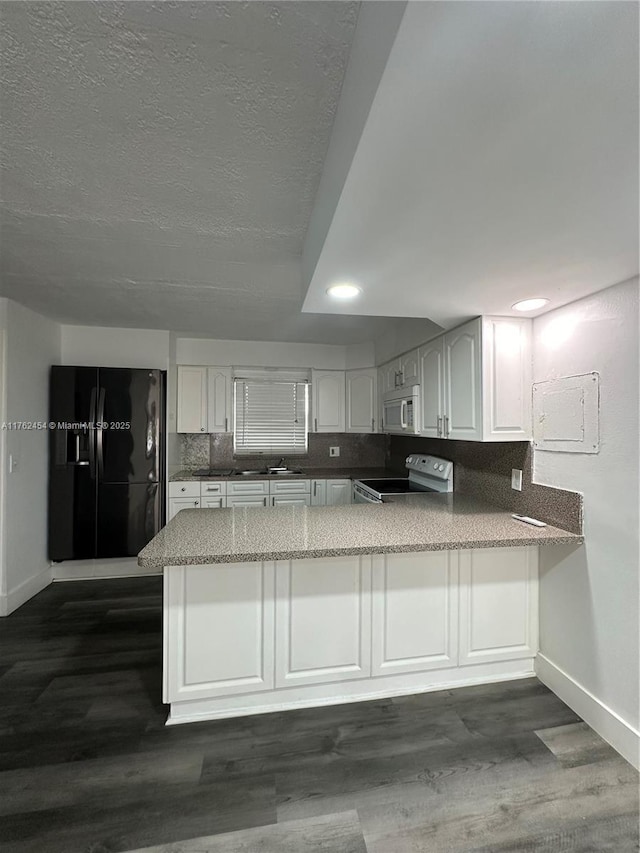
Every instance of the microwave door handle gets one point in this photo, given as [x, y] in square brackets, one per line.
[403, 414]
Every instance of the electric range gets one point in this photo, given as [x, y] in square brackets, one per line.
[426, 474]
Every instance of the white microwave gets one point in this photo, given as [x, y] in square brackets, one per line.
[401, 410]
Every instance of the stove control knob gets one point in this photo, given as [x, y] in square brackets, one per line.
[435, 465]
[441, 468]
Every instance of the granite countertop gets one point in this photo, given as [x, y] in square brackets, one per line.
[423, 523]
[307, 474]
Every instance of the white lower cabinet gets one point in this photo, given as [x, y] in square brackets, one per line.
[213, 503]
[318, 492]
[305, 632]
[498, 604]
[219, 623]
[176, 504]
[415, 612]
[290, 500]
[339, 492]
[323, 620]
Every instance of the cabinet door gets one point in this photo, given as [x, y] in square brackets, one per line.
[362, 400]
[318, 492]
[463, 384]
[219, 399]
[213, 503]
[323, 620]
[176, 504]
[212, 489]
[339, 492]
[192, 399]
[498, 604]
[328, 400]
[220, 620]
[291, 500]
[506, 378]
[248, 500]
[415, 612]
[390, 376]
[432, 388]
[410, 368]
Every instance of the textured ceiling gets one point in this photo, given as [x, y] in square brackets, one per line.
[498, 161]
[160, 162]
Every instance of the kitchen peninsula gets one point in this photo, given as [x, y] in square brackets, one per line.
[293, 606]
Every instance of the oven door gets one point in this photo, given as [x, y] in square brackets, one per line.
[362, 496]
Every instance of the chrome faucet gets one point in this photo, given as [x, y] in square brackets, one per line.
[281, 463]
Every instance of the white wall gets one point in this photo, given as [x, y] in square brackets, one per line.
[32, 345]
[102, 346]
[589, 598]
[263, 354]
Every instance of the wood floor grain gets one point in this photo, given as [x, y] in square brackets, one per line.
[88, 766]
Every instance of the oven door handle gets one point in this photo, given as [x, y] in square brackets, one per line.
[366, 496]
[403, 414]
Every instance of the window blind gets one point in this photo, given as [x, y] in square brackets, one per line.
[270, 416]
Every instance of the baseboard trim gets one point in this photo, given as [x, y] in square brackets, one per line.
[340, 693]
[622, 736]
[82, 570]
[16, 597]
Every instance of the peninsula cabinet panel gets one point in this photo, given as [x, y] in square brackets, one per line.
[498, 604]
[323, 620]
[220, 621]
[415, 612]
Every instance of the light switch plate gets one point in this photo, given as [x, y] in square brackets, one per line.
[516, 479]
[334, 451]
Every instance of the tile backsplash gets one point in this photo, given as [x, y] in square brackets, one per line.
[216, 450]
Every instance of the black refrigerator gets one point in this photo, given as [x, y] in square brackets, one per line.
[106, 461]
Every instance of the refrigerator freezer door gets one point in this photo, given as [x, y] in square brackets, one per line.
[128, 517]
[72, 483]
[129, 447]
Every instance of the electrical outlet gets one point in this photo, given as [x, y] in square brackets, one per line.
[516, 479]
[334, 451]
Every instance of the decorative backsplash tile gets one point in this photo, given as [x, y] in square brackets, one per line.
[194, 451]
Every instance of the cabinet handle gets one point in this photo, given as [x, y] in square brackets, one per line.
[201, 429]
[264, 501]
[196, 503]
[439, 428]
[446, 426]
[315, 488]
[226, 424]
[183, 489]
[315, 423]
[373, 424]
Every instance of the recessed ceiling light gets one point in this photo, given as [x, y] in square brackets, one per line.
[343, 291]
[530, 304]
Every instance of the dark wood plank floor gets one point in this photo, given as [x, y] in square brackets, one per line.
[87, 765]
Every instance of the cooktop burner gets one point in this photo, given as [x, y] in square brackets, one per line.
[390, 486]
[213, 472]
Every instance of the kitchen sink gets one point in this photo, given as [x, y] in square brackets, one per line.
[247, 473]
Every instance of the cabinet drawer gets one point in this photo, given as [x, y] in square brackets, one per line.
[248, 487]
[208, 488]
[185, 489]
[248, 500]
[213, 502]
[289, 487]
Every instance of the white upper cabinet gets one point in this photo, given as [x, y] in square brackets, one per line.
[409, 368]
[476, 381]
[328, 394]
[389, 376]
[432, 390]
[463, 393]
[192, 399]
[219, 407]
[204, 399]
[362, 393]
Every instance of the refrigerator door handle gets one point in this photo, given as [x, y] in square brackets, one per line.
[100, 455]
[92, 434]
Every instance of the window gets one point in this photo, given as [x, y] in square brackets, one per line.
[270, 416]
